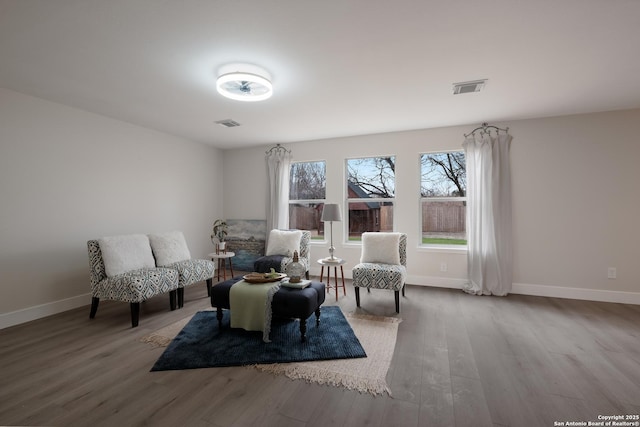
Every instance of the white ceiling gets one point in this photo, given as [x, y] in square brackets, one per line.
[339, 67]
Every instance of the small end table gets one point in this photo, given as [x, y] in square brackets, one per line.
[222, 258]
[337, 262]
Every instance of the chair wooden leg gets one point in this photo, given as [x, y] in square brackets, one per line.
[403, 286]
[180, 297]
[135, 314]
[94, 307]
[357, 290]
[397, 293]
[209, 285]
[172, 299]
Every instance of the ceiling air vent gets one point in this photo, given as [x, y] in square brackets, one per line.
[228, 123]
[468, 87]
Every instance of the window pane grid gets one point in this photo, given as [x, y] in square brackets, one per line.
[305, 201]
[307, 181]
[443, 198]
[307, 192]
[370, 185]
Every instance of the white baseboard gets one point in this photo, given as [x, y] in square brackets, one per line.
[435, 281]
[539, 290]
[43, 310]
[577, 293]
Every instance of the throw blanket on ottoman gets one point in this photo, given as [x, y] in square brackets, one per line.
[250, 306]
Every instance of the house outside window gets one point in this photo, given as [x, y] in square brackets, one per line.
[370, 195]
[443, 197]
[307, 192]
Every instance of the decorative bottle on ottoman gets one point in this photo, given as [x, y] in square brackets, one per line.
[295, 270]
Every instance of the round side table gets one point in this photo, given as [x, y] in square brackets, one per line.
[222, 258]
[337, 262]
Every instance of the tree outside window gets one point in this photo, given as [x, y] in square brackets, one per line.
[307, 193]
[370, 194]
[443, 194]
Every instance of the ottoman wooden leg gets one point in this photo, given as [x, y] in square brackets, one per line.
[219, 316]
[303, 329]
[318, 316]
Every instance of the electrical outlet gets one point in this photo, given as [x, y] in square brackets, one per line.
[443, 266]
[612, 273]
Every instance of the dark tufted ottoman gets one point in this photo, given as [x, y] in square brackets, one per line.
[287, 302]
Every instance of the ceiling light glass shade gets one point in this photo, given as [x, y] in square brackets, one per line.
[244, 87]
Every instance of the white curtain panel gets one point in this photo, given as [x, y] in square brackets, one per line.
[489, 235]
[278, 165]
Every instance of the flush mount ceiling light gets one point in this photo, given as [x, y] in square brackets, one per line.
[249, 85]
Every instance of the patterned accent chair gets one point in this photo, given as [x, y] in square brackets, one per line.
[193, 271]
[383, 264]
[170, 250]
[132, 286]
[280, 262]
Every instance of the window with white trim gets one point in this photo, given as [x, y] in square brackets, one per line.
[307, 192]
[371, 191]
[443, 198]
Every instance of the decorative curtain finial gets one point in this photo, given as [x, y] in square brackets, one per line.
[486, 128]
[277, 149]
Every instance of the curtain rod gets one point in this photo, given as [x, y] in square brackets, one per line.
[277, 149]
[486, 128]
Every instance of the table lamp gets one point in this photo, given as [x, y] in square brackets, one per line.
[331, 212]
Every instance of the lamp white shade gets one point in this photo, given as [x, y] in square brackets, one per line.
[331, 212]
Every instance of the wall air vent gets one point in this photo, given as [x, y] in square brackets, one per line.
[468, 87]
[228, 123]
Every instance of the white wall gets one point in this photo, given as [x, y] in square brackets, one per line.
[576, 205]
[574, 202]
[67, 176]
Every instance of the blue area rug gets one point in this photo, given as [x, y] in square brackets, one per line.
[201, 344]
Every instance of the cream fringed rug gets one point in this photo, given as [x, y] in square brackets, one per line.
[377, 335]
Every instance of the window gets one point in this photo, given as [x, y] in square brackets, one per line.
[443, 198]
[370, 195]
[307, 192]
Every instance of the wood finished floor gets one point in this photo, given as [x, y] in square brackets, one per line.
[459, 360]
